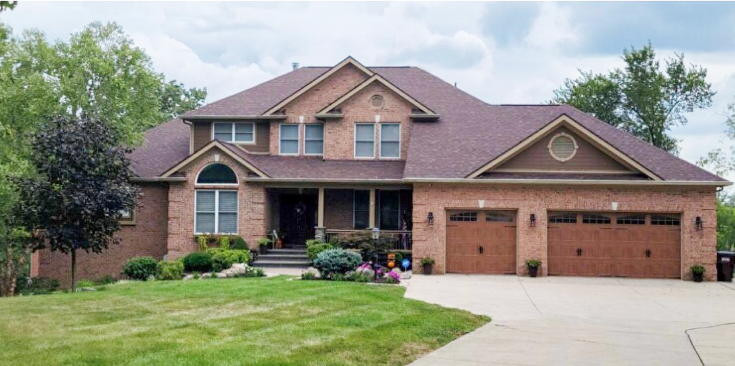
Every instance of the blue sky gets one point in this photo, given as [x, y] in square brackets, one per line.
[500, 52]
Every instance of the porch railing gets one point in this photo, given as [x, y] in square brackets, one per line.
[402, 240]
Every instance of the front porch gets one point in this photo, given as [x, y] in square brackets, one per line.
[297, 214]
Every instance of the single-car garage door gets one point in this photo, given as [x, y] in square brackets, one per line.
[614, 244]
[481, 242]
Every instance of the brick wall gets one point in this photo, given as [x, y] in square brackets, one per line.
[252, 213]
[698, 246]
[147, 237]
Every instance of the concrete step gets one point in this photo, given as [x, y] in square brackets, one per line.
[282, 263]
[286, 251]
[279, 256]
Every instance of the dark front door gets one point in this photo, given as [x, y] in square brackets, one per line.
[297, 218]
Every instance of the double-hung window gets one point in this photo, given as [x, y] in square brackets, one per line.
[216, 212]
[237, 132]
[364, 140]
[390, 140]
[314, 139]
[289, 144]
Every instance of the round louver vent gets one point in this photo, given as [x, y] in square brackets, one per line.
[562, 147]
[376, 101]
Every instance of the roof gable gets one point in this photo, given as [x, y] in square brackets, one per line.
[566, 121]
[376, 79]
[348, 61]
[215, 144]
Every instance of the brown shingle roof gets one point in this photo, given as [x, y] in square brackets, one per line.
[469, 133]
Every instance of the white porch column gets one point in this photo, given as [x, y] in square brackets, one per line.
[372, 208]
[320, 210]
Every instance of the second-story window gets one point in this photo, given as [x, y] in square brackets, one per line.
[390, 140]
[237, 132]
[289, 140]
[314, 139]
[365, 140]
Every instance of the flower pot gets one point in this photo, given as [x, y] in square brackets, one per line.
[427, 269]
[697, 277]
[532, 271]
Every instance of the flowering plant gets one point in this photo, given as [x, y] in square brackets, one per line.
[395, 275]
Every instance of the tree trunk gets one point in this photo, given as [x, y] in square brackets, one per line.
[74, 270]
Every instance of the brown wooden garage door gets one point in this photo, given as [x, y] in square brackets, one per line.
[614, 244]
[481, 242]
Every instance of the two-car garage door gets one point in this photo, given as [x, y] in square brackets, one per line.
[614, 244]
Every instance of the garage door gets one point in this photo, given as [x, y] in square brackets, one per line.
[614, 244]
[481, 242]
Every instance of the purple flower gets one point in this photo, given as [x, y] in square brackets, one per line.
[395, 276]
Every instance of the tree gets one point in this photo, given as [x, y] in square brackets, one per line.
[7, 5]
[725, 222]
[83, 185]
[641, 98]
[176, 99]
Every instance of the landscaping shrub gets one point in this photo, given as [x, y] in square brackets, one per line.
[224, 242]
[336, 261]
[37, 286]
[370, 249]
[105, 280]
[85, 283]
[237, 242]
[223, 259]
[251, 272]
[314, 247]
[170, 270]
[198, 262]
[140, 268]
[202, 241]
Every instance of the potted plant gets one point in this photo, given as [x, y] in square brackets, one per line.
[427, 263]
[698, 272]
[533, 266]
[263, 244]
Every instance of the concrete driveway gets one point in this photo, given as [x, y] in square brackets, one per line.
[584, 321]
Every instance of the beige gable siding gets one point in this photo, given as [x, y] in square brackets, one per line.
[203, 135]
[588, 158]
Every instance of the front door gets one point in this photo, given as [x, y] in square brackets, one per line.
[297, 218]
[481, 242]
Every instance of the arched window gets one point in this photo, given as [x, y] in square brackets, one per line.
[217, 174]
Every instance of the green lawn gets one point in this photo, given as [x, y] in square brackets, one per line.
[246, 321]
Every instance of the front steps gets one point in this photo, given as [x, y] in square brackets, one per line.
[291, 258]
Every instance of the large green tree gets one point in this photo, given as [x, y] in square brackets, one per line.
[642, 98]
[7, 5]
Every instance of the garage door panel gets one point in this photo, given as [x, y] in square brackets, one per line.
[629, 247]
[484, 243]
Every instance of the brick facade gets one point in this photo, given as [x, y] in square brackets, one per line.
[252, 212]
[146, 237]
[698, 246]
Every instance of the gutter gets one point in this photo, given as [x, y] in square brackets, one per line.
[277, 117]
[158, 179]
[322, 180]
[570, 182]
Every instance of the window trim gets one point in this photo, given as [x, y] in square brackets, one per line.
[232, 132]
[551, 144]
[216, 210]
[129, 220]
[354, 205]
[196, 179]
[306, 139]
[280, 139]
[354, 145]
[380, 142]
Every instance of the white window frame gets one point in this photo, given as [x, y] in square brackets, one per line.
[306, 140]
[197, 184]
[232, 132]
[354, 145]
[216, 210]
[280, 139]
[380, 142]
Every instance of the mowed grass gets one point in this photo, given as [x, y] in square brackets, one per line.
[246, 321]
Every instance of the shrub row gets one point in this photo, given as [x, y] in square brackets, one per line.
[214, 259]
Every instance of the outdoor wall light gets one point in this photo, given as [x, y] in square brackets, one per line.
[533, 220]
[430, 218]
[376, 233]
[698, 223]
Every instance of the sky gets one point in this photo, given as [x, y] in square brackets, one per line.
[503, 53]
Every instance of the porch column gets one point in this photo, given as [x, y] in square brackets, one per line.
[372, 208]
[320, 230]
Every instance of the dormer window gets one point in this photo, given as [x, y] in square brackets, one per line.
[236, 132]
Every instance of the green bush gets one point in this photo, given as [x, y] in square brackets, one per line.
[140, 268]
[37, 286]
[533, 263]
[224, 242]
[198, 262]
[336, 261]
[252, 272]
[370, 248]
[698, 269]
[105, 280]
[203, 241]
[170, 270]
[314, 247]
[237, 242]
[223, 259]
[85, 283]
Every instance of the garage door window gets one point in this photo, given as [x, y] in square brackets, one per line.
[563, 218]
[665, 220]
[632, 220]
[595, 219]
[498, 217]
[463, 216]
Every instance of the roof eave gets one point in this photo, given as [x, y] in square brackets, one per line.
[570, 182]
[276, 117]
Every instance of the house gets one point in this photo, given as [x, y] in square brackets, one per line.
[481, 188]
